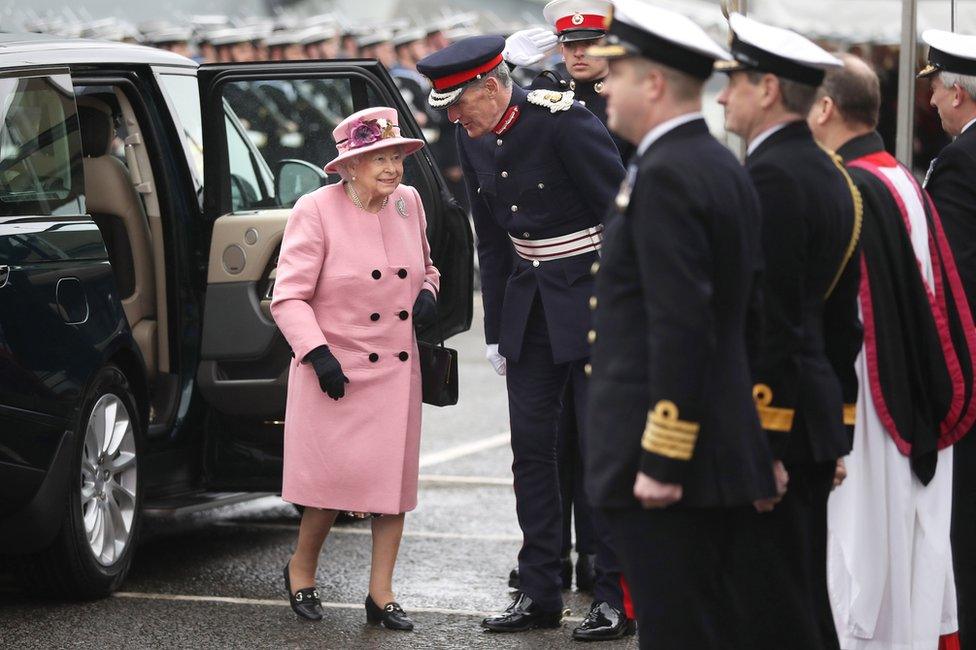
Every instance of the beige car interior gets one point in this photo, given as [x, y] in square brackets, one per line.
[243, 249]
[122, 200]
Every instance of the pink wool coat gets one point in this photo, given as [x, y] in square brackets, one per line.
[348, 279]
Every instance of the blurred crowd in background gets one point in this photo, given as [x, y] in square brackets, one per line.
[272, 112]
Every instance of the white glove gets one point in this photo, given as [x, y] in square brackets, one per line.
[496, 360]
[528, 46]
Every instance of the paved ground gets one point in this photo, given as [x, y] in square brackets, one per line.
[214, 579]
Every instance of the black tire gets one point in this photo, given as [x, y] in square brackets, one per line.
[68, 567]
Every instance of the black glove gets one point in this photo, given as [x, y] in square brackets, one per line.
[331, 379]
[424, 308]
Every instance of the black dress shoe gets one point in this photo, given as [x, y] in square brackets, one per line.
[514, 580]
[304, 602]
[390, 615]
[604, 622]
[523, 614]
[585, 572]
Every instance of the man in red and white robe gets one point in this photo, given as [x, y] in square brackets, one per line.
[889, 559]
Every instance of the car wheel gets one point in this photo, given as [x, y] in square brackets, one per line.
[93, 551]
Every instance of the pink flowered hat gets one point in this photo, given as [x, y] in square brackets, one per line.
[368, 130]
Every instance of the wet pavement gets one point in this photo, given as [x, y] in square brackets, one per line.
[214, 578]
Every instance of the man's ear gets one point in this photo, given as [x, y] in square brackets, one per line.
[824, 108]
[958, 96]
[491, 85]
[769, 85]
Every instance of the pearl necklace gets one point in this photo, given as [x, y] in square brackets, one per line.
[354, 196]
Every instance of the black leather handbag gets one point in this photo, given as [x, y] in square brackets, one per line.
[438, 371]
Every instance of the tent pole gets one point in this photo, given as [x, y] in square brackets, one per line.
[906, 82]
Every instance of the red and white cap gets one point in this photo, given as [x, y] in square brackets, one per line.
[578, 20]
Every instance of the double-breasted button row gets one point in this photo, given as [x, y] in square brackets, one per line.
[403, 314]
[588, 369]
[593, 302]
[591, 337]
[595, 268]
[402, 356]
[377, 274]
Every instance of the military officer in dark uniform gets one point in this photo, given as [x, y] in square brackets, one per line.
[675, 453]
[577, 24]
[951, 182]
[811, 229]
[540, 171]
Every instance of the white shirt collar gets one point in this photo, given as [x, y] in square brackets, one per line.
[762, 137]
[664, 127]
[968, 124]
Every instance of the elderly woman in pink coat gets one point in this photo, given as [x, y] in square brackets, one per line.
[354, 277]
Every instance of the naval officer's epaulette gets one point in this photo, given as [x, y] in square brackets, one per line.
[551, 99]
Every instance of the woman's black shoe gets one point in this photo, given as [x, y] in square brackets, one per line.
[305, 602]
[391, 615]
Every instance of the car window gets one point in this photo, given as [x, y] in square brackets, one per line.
[245, 187]
[184, 92]
[293, 119]
[40, 147]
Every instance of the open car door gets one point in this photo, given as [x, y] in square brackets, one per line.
[267, 134]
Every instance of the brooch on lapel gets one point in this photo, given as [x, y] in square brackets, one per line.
[551, 99]
[401, 206]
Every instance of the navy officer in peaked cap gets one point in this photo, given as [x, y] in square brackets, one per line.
[951, 181]
[577, 25]
[804, 371]
[676, 455]
[541, 171]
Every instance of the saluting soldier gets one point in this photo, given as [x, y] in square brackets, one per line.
[951, 182]
[540, 171]
[578, 25]
[675, 454]
[811, 331]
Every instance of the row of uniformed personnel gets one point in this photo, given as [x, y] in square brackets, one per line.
[724, 322]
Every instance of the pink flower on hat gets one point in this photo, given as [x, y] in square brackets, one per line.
[363, 132]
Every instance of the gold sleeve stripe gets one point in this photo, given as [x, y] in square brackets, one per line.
[850, 414]
[772, 418]
[775, 419]
[667, 435]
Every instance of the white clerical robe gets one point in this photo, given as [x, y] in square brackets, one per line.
[889, 562]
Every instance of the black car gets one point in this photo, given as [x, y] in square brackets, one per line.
[142, 204]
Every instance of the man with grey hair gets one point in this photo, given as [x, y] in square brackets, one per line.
[951, 182]
[541, 171]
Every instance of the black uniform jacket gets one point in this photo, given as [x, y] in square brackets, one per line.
[952, 186]
[670, 390]
[810, 232]
[549, 174]
[589, 94]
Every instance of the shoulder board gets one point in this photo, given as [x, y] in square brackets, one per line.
[554, 101]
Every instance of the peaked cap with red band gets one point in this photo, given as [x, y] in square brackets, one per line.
[451, 70]
[578, 20]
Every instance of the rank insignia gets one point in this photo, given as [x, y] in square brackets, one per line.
[554, 101]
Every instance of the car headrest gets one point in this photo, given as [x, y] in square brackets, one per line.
[97, 127]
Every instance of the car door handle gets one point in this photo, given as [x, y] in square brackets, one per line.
[4, 275]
